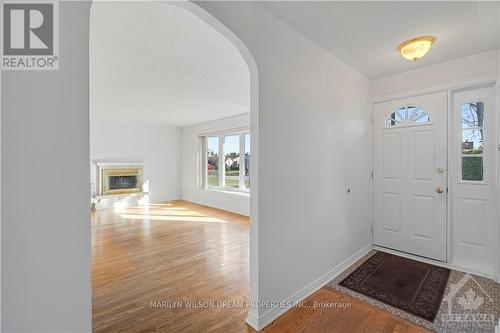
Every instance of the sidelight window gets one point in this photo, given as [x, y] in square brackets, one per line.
[472, 143]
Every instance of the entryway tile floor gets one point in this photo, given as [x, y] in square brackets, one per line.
[470, 303]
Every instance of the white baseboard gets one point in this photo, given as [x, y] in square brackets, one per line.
[272, 314]
[231, 202]
[468, 267]
[252, 319]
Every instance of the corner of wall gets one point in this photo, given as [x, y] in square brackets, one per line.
[269, 316]
[0, 201]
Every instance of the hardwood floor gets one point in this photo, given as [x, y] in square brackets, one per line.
[175, 251]
[144, 259]
[358, 317]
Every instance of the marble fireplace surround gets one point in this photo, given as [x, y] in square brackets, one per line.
[103, 197]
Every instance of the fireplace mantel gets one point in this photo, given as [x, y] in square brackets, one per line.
[103, 163]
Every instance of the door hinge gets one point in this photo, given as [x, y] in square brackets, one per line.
[371, 173]
[371, 228]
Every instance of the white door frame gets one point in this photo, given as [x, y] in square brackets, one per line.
[409, 184]
[488, 79]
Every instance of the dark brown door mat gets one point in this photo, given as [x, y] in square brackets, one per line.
[406, 284]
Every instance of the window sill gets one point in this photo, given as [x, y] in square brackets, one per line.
[231, 192]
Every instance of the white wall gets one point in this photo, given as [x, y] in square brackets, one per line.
[314, 144]
[313, 123]
[155, 144]
[463, 69]
[46, 263]
[231, 201]
[1, 104]
[498, 171]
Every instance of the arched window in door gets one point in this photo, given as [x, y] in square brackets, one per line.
[407, 115]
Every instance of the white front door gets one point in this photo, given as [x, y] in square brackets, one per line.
[409, 173]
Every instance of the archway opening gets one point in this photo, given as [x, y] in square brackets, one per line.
[173, 127]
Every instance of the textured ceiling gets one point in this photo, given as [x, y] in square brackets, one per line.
[157, 62]
[366, 34]
[154, 61]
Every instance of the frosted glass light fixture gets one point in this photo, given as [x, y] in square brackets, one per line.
[416, 48]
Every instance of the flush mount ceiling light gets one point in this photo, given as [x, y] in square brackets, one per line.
[416, 48]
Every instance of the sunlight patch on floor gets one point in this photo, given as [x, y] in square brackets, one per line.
[172, 218]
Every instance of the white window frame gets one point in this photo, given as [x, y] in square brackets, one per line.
[483, 155]
[241, 132]
[414, 124]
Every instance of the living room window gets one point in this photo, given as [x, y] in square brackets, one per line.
[226, 160]
[213, 160]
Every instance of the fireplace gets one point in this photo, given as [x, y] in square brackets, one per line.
[120, 180]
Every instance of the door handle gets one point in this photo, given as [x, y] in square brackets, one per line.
[439, 189]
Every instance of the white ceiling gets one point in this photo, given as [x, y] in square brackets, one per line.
[366, 34]
[157, 62]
